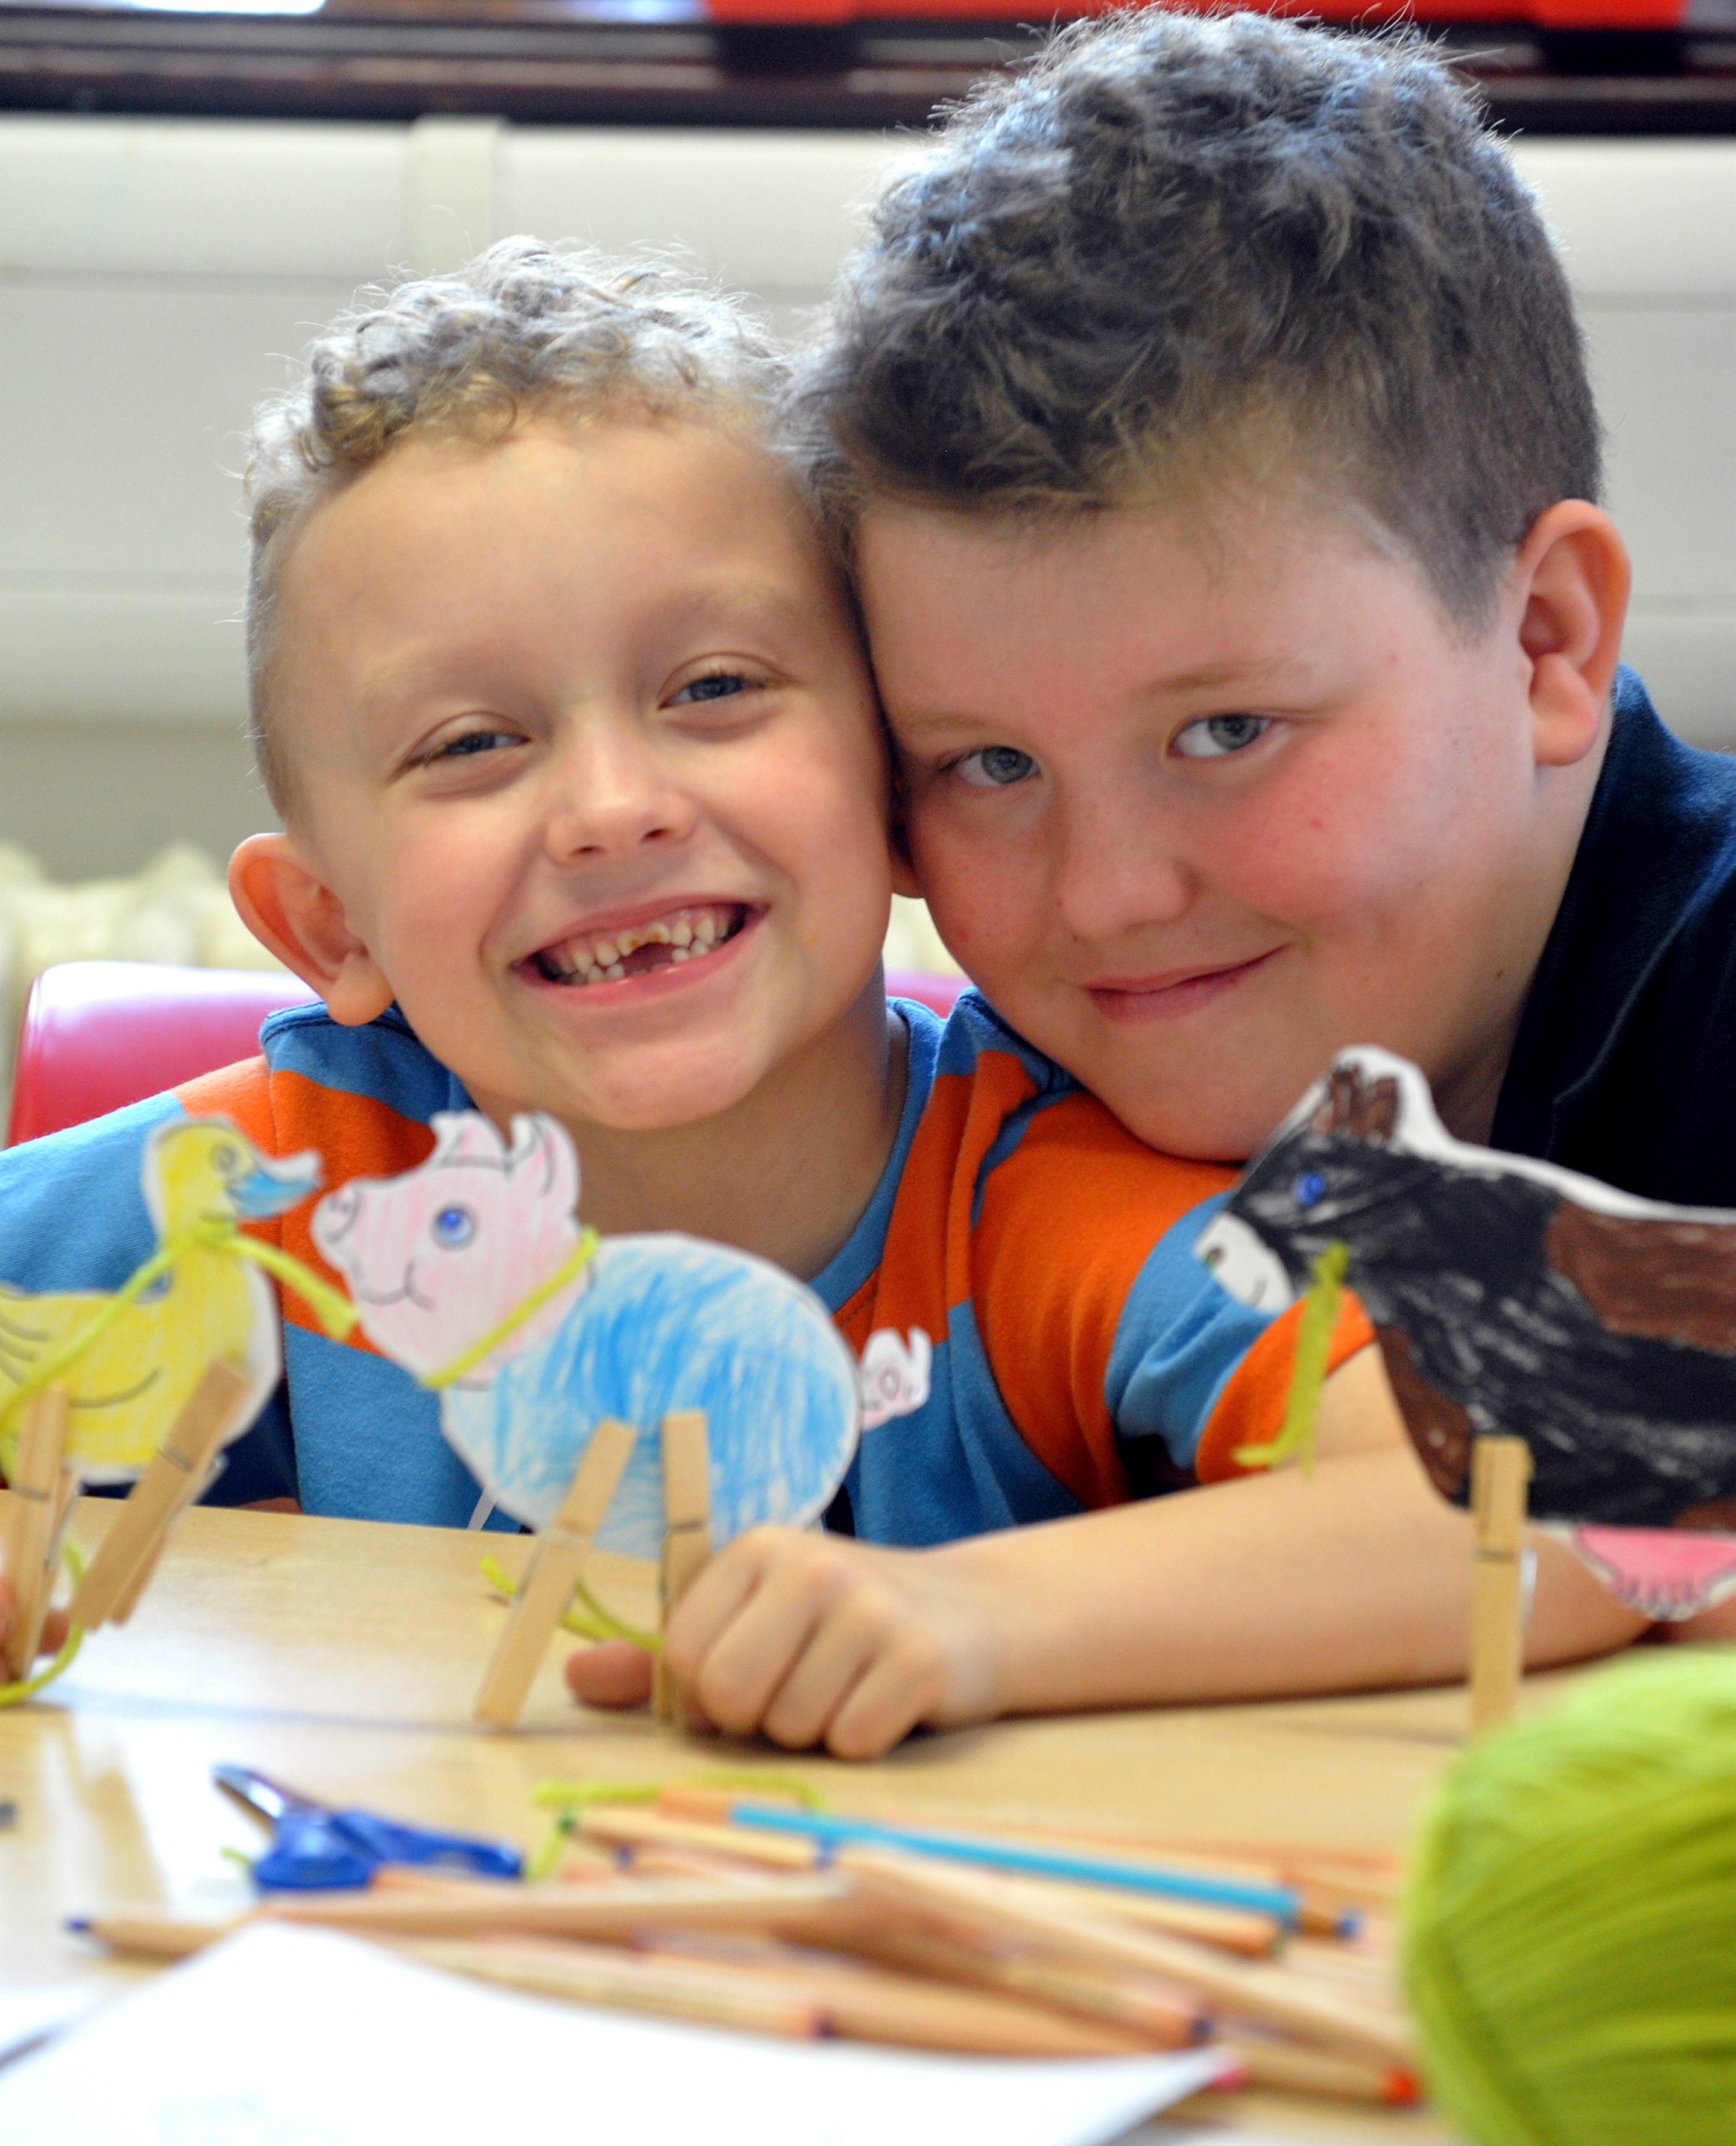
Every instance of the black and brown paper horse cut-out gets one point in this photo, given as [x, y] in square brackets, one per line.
[1511, 1297]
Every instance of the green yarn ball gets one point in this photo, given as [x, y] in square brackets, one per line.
[1570, 1920]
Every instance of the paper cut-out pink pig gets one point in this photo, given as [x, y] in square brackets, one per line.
[438, 1258]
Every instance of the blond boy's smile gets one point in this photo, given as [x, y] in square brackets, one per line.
[629, 948]
[589, 779]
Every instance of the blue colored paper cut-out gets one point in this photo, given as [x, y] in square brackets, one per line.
[444, 1261]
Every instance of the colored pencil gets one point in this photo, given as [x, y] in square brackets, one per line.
[1291, 2070]
[1333, 1886]
[631, 1825]
[975, 1904]
[577, 1911]
[833, 1834]
[1163, 2018]
[792, 1996]
[150, 1935]
[871, 1999]
[635, 1828]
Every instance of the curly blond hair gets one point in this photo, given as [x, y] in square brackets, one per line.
[525, 329]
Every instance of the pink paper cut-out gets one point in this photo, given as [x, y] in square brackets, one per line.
[1666, 1572]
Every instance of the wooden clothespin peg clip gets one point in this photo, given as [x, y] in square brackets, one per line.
[1500, 1479]
[686, 1529]
[33, 1520]
[126, 1556]
[556, 1565]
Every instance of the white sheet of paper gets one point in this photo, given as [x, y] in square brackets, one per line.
[32, 2014]
[300, 2037]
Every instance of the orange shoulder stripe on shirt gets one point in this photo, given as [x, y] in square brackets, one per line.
[1067, 1222]
[1251, 1408]
[283, 1113]
[242, 1092]
[925, 1267]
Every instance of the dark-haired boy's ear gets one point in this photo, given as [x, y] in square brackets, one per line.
[294, 915]
[1573, 577]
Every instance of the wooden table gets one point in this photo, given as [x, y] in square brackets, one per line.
[344, 1657]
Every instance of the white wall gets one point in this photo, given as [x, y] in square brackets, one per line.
[1648, 231]
[156, 275]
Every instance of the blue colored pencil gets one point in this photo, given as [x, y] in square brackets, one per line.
[835, 1833]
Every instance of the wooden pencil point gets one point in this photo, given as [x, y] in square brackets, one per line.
[555, 1567]
[1500, 1477]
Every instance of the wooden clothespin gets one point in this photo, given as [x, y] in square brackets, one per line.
[1500, 1479]
[556, 1564]
[686, 1529]
[34, 1519]
[126, 1556]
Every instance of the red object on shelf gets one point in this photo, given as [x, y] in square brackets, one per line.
[1539, 14]
[98, 1035]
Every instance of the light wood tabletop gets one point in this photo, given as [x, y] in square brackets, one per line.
[344, 1657]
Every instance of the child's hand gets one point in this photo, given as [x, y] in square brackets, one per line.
[811, 1638]
[54, 1626]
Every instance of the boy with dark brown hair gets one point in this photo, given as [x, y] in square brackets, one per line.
[1207, 427]
[1207, 423]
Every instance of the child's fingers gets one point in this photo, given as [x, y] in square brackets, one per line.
[717, 1596]
[842, 1652]
[614, 1673]
[748, 1663]
[896, 1695]
[869, 1673]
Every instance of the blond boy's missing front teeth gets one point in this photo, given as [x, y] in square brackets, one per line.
[600, 957]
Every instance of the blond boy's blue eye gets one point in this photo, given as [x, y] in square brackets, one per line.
[469, 742]
[994, 766]
[715, 685]
[1212, 736]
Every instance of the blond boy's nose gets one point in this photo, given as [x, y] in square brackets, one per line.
[612, 796]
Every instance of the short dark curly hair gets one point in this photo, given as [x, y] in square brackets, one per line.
[1173, 238]
[525, 329]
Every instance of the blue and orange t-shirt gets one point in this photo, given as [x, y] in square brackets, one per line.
[1077, 1352]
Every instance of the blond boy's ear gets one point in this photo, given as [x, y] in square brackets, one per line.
[294, 915]
[1573, 577]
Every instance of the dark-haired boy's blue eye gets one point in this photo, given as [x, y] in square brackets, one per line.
[1309, 1188]
[454, 1227]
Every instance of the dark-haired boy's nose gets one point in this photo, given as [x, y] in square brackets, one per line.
[1114, 873]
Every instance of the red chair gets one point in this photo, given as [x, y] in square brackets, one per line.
[940, 994]
[98, 1035]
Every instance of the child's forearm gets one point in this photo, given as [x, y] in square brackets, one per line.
[1356, 1577]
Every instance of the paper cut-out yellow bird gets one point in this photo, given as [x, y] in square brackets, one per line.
[129, 1359]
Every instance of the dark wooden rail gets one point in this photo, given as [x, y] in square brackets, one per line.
[660, 62]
